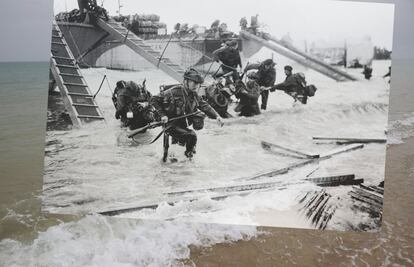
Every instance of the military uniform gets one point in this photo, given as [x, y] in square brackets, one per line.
[177, 101]
[266, 78]
[293, 86]
[249, 96]
[230, 57]
[124, 98]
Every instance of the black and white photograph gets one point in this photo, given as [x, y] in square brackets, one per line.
[267, 113]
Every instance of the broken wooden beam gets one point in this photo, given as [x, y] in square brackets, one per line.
[347, 179]
[268, 146]
[348, 140]
[231, 188]
[284, 170]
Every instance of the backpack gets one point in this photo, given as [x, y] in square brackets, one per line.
[310, 90]
[300, 79]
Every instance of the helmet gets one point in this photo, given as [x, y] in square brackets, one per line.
[252, 75]
[121, 84]
[301, 75]
[193, 75]
[288, 67]
[269, 61]
[232, 43]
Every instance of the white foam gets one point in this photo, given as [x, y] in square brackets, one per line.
[101, 241]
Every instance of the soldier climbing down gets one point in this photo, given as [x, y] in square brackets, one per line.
[229, 56]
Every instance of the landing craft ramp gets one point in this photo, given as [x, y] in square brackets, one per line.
[76, 95]
[295, 54]
[122, 34]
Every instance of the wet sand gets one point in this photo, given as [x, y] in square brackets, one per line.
[286, 247]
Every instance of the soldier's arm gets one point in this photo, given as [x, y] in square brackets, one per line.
[157, 101]
[280, 86]
[273, 78]
[239, 63]
[121, 104]
[216, 53]
[207, 109]
[251, 67]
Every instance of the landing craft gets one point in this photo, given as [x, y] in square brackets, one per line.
[90, 32]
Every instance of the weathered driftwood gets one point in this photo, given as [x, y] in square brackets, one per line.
[275, 172]
[348, 140]
[268, 146]
[312, 172]
[347, 179]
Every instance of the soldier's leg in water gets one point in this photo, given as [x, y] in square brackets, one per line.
[265, 96]
[185, 136]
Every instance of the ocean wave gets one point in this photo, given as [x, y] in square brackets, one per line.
[100, 241]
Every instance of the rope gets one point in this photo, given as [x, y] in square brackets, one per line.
[100, 86]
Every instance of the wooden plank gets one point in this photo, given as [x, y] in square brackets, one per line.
[84, 105]
[341, 150]
[76, 84]
[338, 183]
[338, 179]
[360, 142]
[266, 145]
[79, 94]
[65, 58]
[66, 66]
[231, 188]
[90, 116]
[71, 75]
[328, 155]
[349, 140]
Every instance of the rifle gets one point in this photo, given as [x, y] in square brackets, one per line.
[157, 124]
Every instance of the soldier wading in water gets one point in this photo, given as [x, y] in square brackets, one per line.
[181, 100]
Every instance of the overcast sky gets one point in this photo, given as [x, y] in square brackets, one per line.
[25, 24]
[333, 21]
